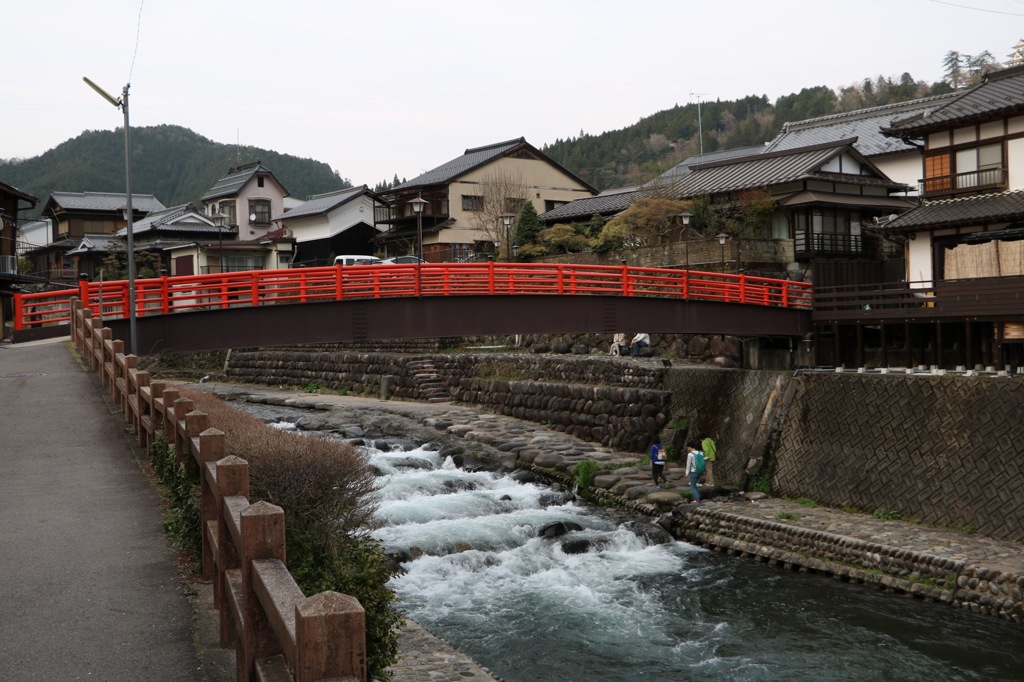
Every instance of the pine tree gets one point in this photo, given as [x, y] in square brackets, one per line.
[527, 224]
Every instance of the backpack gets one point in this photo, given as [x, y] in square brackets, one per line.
[710, 451]
[698, 462]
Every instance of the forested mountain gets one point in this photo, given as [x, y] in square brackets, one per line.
[177, 165]
[640, 152]
[170, 162]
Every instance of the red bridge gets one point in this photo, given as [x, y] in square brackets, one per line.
[367, 302]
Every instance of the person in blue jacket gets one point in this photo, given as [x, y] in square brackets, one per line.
[658, 460]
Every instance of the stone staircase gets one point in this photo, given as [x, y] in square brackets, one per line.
[428, 381]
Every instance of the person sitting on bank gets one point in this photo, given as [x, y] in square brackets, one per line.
[641, 340]
[618, 344]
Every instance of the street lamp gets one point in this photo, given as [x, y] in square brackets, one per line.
[218, 220]
[506, 220]
[122, 104]
[685, 216]
[721, 242]
[418, 205]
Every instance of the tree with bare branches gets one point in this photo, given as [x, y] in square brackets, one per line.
[502, 192]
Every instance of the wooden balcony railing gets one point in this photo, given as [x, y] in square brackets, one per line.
[990, 178]
[977, 298]
[831, 244]
[163, 295]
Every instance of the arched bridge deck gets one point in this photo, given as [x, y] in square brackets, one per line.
[318, 305]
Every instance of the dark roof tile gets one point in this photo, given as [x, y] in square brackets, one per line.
[1001, 93]
[105, 201]
[322, 203]
[608, 202]
[969, 210]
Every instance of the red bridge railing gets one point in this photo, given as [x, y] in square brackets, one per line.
[163, 295]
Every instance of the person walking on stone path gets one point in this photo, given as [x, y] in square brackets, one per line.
[658, 461]
[694, 460]
[710, 451]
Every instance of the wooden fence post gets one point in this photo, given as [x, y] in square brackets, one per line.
[262, 526]
[211, 449]
[182, 406]
[131, 362]
[232, 480]
[330, 638]
[170, 396]
[116, 351]
[195, 423]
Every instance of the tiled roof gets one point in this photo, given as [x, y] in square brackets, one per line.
[93, 243]
[970, 210]
[683, 168]
[774, 168]
[322, 203]
[606, 203]
[104, 201]
[14, 191]
[470, 159]
[236, 178]
[477, 157]
[864, 124]
[183, 218]
[1001, 93]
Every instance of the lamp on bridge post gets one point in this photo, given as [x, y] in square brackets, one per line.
[506, 221]
[122, 104]
[721, 242]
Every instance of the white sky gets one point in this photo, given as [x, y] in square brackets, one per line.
[375, 89]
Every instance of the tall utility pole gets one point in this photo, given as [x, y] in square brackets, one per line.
[122, 104]
[700, 124]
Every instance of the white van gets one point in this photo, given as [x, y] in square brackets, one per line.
[357, 260]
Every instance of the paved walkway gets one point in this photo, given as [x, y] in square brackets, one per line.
[88, 585]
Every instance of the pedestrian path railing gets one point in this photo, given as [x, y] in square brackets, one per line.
[164, 295]
[277, 632]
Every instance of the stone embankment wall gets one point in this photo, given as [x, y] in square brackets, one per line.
[980, 589]
[944, 449]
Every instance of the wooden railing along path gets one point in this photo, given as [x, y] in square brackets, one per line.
[163, 295]
[275, 629]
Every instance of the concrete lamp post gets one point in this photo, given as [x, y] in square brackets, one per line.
[122, 104]
[721, 242]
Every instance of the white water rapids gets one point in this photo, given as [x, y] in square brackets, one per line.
[627, 609]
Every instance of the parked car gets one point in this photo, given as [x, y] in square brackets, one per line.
[357, 260]
[403, 260]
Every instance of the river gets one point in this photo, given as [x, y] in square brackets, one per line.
[603, 603]
[627, 609]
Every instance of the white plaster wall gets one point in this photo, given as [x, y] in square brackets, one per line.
[540, 178]
[919, 260]
[1015, 163]
[905, 168]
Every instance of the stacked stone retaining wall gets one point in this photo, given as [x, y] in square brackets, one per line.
[988, 591]
[944, 449]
